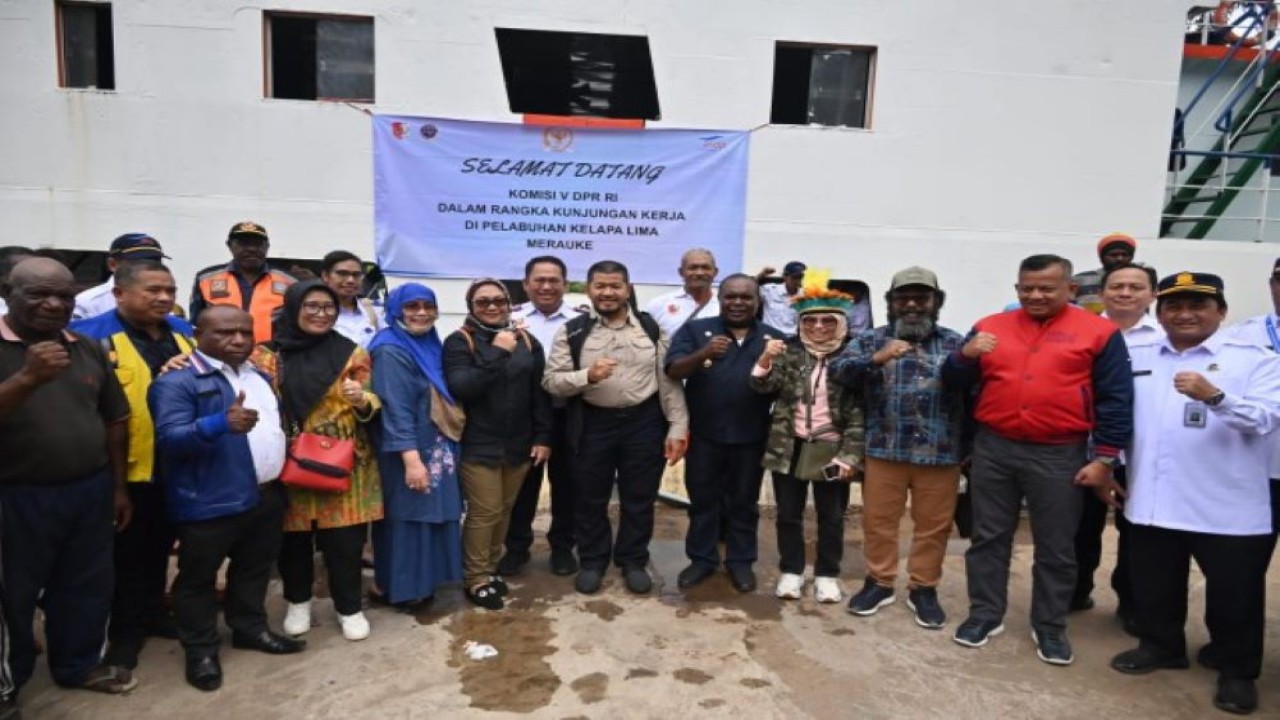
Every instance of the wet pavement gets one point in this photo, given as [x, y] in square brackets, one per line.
[709, 651]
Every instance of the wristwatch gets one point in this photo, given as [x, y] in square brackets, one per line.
[1108, 460]
[1215, 399]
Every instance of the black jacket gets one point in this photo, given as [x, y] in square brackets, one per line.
[507, 410]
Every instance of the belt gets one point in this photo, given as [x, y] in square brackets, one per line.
[622, 412]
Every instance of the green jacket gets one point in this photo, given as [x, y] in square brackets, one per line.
[790, 380]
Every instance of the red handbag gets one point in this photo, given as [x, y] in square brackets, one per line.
[319, 462]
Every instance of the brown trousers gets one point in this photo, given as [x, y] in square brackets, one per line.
[933, 505]
[491, 491]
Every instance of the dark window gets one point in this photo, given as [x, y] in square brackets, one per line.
[821, 85]
[88, 56]
[563, 73]
[320, 58]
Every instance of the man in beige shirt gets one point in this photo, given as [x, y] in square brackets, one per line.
[625, 416]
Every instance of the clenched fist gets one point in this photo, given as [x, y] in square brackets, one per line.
[978, 345]
[45, 360]
[601, 370]
[892, 350]
[772, 349]
[506, 340]
[716, 349]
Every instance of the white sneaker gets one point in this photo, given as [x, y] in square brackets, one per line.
[354, 627]
[827, 590]
[297, 619]
[790, 586]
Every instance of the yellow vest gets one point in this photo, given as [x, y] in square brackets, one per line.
[135, 378]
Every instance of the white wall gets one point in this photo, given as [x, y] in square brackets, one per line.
[999, 129]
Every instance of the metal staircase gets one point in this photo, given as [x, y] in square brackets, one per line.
[1247, 124]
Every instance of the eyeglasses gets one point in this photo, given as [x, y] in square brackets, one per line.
[417, 306]
[485, 303]
[314, 308]
[823, 320]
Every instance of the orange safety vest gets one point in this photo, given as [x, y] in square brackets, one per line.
[219, 287]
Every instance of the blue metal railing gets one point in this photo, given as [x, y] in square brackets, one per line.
[1258, 14]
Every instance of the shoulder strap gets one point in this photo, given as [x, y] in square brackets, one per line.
[576, 333]
[466, 334]
[369, 312]
[650, 326]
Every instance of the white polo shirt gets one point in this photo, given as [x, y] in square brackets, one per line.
[1254, 330]
[674, 309]
[266, 440]
[95, 301]
[361, 324]
[1210, 479]
[777, 307]
[542, 326]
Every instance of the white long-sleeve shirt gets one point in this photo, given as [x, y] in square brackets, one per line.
[267, 442]
[1254, 331]
[1210, 479]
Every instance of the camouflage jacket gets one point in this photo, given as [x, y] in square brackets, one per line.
[789, 379]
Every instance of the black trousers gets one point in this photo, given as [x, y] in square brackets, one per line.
[622, 446]
[142, 565]
[563, 497]
[829, 501]
[1235, 569]
[723, 482]
[57, 544]
[1093, 522]
[341, 548]
[251, 540]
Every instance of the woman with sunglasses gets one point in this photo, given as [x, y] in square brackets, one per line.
[495, 371]
[815, 439]
[417, 545]
[322, 378]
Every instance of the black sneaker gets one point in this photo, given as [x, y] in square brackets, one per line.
[975, 633]
[9, 709]
[500, 585]
[485, 596]
[512, 563]
[588, 581]
[637, 579]
[1052, 646]
[923, 601]
[563, 562]
[1236, 695]
[870, 599]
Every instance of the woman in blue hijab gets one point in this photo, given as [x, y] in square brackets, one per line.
[417, 545]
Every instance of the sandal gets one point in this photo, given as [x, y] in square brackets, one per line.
[486, 596]
[109, 679]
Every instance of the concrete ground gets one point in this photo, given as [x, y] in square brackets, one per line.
[710, 651]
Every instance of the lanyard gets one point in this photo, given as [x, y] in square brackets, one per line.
[1271, 330]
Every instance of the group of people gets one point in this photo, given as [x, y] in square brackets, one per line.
[130, 428]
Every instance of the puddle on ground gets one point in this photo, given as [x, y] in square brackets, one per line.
[693, 676]
[591, 688]
[842, 631]
[711, 703]
[519, 679]
[754, 683]
[634, 673]
[603, 609]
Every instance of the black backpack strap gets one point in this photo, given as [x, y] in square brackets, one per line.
[576, 331]
[650, 326]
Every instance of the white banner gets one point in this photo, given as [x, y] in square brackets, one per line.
[471, 199]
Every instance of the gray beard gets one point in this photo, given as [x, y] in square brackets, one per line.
[912, 331]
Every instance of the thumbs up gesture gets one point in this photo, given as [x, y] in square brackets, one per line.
[240, 419]
[353, 393]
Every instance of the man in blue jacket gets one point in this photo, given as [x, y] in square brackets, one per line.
[220, 447]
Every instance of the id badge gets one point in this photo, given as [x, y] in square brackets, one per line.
[1195, 414]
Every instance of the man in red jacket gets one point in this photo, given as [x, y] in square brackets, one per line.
[1051, 375]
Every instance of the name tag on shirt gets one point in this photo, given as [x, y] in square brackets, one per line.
[1195, 414]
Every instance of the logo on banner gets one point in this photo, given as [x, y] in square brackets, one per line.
[428, 131]
[399, 130]
[557, 139]
[714, 142]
